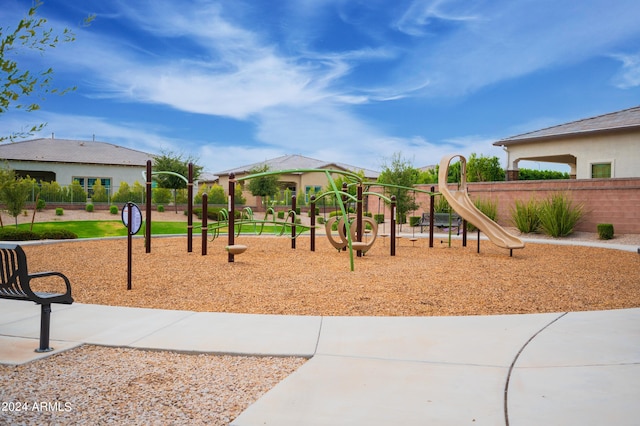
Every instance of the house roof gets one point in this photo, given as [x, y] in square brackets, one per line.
[73, 151]
[619, 120]
[294, 162]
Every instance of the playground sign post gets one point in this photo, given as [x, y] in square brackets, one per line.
[132, 219]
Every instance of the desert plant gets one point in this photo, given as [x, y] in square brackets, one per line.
[559, 215]
[488, 207]
[59, 211]
[89, 208]
[441, 205]
[113, 209]
[605, 231]
[526, 216]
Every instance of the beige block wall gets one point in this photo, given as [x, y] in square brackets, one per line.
[615, 201]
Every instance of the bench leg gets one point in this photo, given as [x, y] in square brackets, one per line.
[45, 320]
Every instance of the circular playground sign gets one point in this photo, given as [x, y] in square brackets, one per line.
[136, 217]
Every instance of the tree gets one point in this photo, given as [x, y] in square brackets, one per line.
[174, 163]
[263, 186]
[533, 174]
[484, 169]
[99, 194]
[400, 173]
[22, 89]
[14, 192]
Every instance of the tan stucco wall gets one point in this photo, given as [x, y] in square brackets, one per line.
[65, 172]
[299, 180]
[622, 150]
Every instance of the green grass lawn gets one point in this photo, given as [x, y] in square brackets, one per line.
[106, 228]
[115, 228]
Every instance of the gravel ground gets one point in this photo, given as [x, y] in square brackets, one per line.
[139, 387]
[94, 385]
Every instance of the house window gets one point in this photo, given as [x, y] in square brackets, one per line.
[601, 170]
[87, 183]
[311, 190]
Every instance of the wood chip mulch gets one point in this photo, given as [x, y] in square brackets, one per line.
[272, 278]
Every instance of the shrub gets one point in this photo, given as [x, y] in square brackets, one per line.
[317, 212]
[605, 231]
[99, 194]
[113, 209]
[123, 194]
[212, 213]
[281, 214]
[58, 234]
[488, 207]
[414, 220]
[161, 195]
[526, 216]
[59, 211]
[41, 204]
[75, 193]
[558, 215]
[89, 208]
[160, 208]
[441, 205]
[320, 220]
[13, 234]
[378, 218]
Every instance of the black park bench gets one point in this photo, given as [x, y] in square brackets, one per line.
[15, 284]
[441, 220]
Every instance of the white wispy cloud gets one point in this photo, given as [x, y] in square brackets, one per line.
[629, 75]
[505, 40]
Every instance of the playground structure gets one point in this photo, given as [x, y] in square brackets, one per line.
[352, 228]
[461, 203]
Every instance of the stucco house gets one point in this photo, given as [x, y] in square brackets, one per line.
[605, 146]
[298, 183]
[64, 160]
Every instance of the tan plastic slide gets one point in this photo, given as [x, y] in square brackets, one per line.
[461, 203]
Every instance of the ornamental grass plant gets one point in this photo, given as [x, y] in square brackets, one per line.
[526, 216]
[559, 215]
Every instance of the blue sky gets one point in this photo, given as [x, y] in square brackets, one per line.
[354, 81]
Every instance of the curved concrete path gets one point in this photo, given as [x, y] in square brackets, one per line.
[574, 368]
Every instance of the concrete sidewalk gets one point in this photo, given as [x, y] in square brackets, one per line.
[560, 368]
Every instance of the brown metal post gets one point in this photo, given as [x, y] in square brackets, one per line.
[129, 243]
[393, 225]
[232, 214]
[205, 217]
[346, 209]
[464, 233]
[432, 209]
[313, 223]
[147, 228]
[190, 209]
[359, 227]
[293, 222]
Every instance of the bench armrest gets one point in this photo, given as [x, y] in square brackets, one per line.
[50, 274]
